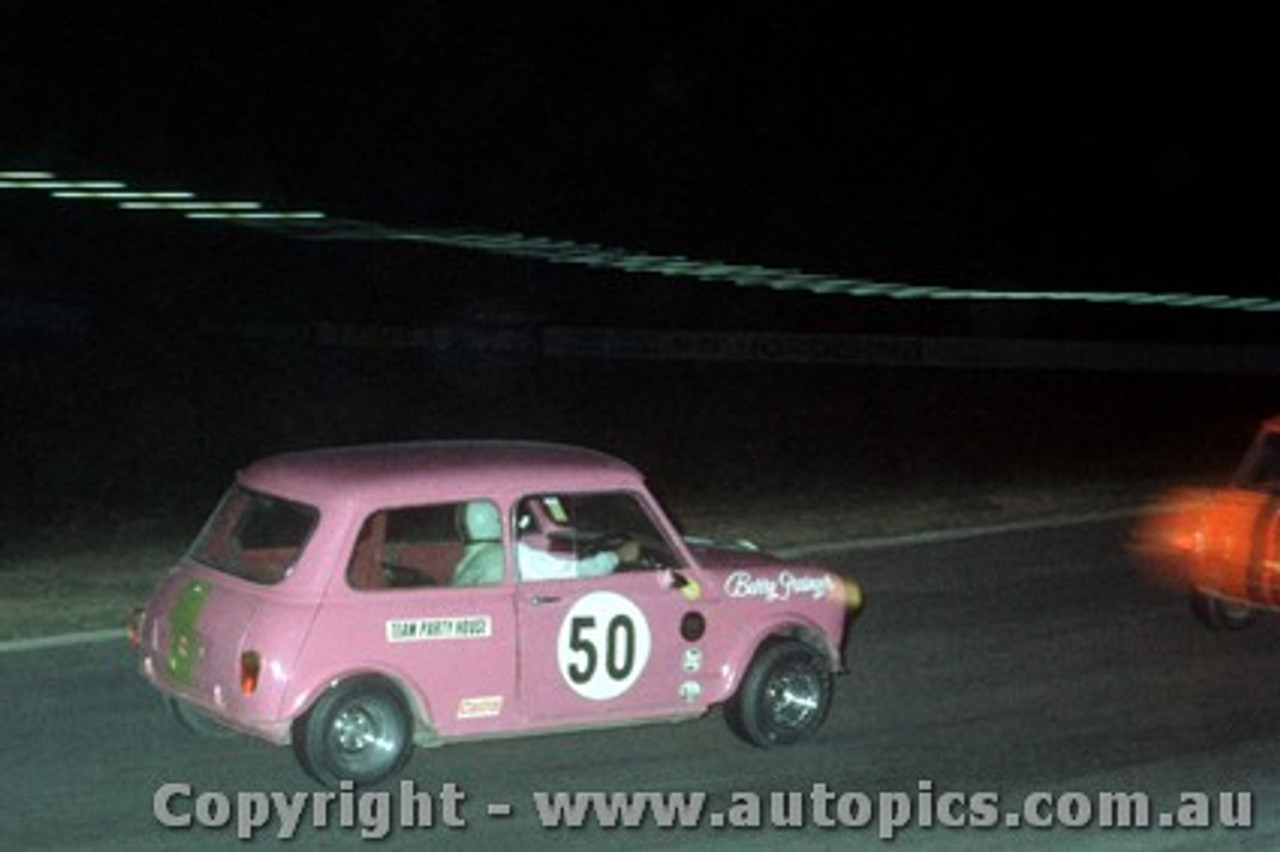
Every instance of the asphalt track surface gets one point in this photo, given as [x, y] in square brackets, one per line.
[1014, 662]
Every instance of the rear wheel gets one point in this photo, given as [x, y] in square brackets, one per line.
[784, 696]
[359, 731]
[1220, 614]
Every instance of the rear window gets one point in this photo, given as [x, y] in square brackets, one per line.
[255, 536]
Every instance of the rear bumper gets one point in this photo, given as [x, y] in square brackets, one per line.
[225, 709]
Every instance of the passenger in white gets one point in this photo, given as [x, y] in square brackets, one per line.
[481, 563]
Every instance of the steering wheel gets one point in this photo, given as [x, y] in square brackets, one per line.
[652, 559]
[611, 540]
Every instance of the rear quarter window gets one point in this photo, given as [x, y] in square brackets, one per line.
[255, 536]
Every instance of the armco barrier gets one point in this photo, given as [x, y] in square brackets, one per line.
[553, 341]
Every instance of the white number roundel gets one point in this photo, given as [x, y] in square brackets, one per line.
[603, 646]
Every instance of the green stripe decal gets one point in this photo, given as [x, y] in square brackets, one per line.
[183, 643]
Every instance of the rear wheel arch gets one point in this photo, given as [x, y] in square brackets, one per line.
[303, 701]
[361, 728]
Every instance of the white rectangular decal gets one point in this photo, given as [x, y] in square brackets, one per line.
[481, 707]
[449, 627]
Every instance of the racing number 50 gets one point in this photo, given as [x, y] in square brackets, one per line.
[603, 645]
[619, 649]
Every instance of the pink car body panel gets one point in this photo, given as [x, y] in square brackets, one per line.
[475, 660]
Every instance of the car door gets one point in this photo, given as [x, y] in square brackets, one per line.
[400, 613]
[606, 647]
[599, 649]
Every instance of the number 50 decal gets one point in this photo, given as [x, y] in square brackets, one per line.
[603, 645]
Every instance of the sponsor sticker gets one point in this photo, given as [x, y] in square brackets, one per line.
[480, 707]
[692, 659]
[556, 509]
[781, 586]
[448, 627]
[184, 642]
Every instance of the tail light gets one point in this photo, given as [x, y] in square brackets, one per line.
[134, 626]
[250, 668]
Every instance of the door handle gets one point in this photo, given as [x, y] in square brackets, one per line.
[539, 600]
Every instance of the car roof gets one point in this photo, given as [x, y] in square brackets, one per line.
[430, 470]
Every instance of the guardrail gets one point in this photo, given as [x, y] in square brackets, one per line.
[596, 343]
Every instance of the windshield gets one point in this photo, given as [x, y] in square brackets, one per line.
[1260, 470]
[255, 536]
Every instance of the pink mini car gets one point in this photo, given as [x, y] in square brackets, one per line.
[355, 601]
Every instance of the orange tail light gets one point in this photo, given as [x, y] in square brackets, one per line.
[250, 668]
[134, 626]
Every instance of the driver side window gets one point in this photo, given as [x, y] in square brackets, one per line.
[567, 536]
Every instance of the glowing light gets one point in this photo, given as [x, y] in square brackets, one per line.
[115, 195]
[1217, 540]
[265, 215]
[61, 184]
[191, 205]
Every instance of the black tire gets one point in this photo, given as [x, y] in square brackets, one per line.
[1218, 614]
[196, 720]
[784, 697]
[359, 731]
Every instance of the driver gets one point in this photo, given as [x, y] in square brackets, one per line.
[540, 563]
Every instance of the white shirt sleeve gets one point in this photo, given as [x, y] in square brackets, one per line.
[536, 564]
[595, 566]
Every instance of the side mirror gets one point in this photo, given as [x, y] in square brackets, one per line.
[687, 586]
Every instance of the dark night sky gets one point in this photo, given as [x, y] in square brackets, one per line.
[1030, 147]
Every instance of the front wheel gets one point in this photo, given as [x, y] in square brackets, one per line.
[1219, 614]
[359, 731]
[784, 696]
